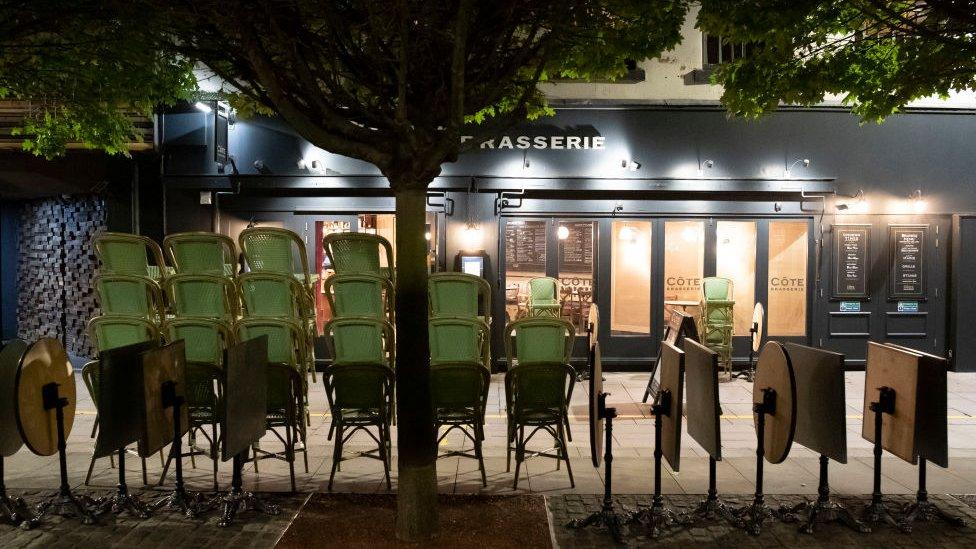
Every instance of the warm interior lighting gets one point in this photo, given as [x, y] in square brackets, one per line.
[427, 236]
[918, 203]
[562, 232]
[627, 234]
[472, 237]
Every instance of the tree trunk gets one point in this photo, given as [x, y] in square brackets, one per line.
[416, 518]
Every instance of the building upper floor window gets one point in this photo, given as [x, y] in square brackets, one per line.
[718, 50]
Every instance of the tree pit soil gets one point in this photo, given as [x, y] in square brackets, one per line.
[368, 521]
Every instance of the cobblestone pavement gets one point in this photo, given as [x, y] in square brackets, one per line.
[565, 507]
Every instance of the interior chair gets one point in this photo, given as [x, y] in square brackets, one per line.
[205, 339]
[131, 254]
[362, 399]
[287, 388]
[277, 295]
[201, 253]
[363, 295]
[717, 318]
[359, 253]
[537, 398]
[459, 381]
[109, 332]
[130, 295]
[203, 296]
[459, 294]
[544, 297]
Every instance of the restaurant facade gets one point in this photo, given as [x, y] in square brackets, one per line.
[845, 232]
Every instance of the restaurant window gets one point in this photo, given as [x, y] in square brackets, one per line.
[787, 278]
[684, 265]
[525, 259]
[575, 270]
[323, 313]
[717, 50]
[383, 225]
[630, 277]
[735, 259]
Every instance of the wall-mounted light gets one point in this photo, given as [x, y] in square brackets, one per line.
[702, 166]
[787, 173]
[473, 238]
[629, 164]
[857, 205]
[917, 201]
[526, 163]
[203, 107]
[427, 236]
[562, 232]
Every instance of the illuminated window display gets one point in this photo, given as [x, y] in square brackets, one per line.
[735, 259]
[575, 270]
[525, 259]
[630, 283]
[684, 265]
[787, 309]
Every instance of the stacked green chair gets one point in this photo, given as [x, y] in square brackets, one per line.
[459, 294]
[459, 381]
[359, 253]
[130, 295]
[287, 392]
[109, 332]
[362, 295]
[717, 318]
[543, 346]
[202, 296]
[201, 253]
[123, 253]
[274, 250]
[537, 399]
[205, 340]
[544, 297]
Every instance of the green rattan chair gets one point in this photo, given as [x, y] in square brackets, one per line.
[359, 253]
[459, 381]
[205, 340]
[202, 295]
[459, 294]
[130, 295]
[287, 388]
[360, 295]
[276, 295]
[717, 318]
[362, 399]
[131, 254]
[201, 253]
[537, 398]
[544, 297]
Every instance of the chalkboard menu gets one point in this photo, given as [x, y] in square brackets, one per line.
[852, 254]
[906, 257]
[576, 250]
[525, 246]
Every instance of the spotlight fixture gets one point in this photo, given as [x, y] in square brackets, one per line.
[526, 163]
[562, 232]
[918, 202]
[858, 203]
[203, 107]
[707, 164]
[787, 173]
[631, 165]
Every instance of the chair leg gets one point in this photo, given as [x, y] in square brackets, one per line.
[169, 460]
[478, 437]
[192, 442]
[508, 447]
[336, 454]
[254, 450]
[383, 449]
[214, 456]
[564, 450]
[290, 455]
[519, 454]
[569, 433]
[91, 467]
[145, 474]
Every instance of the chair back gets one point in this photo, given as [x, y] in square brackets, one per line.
[360, 340]
[271, 294]
[543, 288]
[286, 342]
[364, 295]
[459, 385]
[201, 295]
[359, 253]
[130, 295]
[458, 339]
[111, 331]
[716, 289]
[458, 294]
[539, 339]
[130, 254]
[270, 249]
[364, 387]
[540, 388]
[201, 253]
[206, 339]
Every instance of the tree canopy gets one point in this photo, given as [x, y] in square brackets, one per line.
[879, 55]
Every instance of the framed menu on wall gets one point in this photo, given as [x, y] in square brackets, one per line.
[906, 261]
[852, 253]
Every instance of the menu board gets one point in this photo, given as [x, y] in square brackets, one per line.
[576, 250]
[906, 258]
[852, 253]
[525, 246]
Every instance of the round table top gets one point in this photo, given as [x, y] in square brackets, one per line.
[774, 371]
[45, 362]
[679, 303]
[758, 315]
[10, 357]
[596, 388]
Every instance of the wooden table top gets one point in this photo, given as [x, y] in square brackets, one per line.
[10, 357]
[701, 386]
[679, 303]
[775, 371]
[672, 379]
[45, 362]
